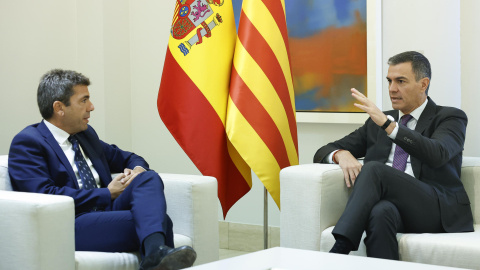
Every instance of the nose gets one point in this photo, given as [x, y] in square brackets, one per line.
[393, 87]
[91, 107]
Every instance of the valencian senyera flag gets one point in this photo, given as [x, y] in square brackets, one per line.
[228, 99]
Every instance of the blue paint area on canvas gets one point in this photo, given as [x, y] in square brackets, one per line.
[307, 17]
[237, 8]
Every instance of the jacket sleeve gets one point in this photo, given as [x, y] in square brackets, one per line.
[115, 159]
[119, 159]
[34, 168]
[355, 142]
[445, 142]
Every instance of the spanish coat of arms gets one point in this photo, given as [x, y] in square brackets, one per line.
[189, 15]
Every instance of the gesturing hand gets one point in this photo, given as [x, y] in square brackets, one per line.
[369, 107]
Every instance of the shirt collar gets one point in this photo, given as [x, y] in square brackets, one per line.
[60, 135]
[417, 112]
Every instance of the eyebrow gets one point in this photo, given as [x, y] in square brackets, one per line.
[398, 78]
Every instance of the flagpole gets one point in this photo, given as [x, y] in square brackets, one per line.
[265, 218]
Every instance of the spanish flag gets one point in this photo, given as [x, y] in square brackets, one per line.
[228, 99]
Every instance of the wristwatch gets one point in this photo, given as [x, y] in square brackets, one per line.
[390, 119]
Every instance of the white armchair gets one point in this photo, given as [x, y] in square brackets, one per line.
[37, 230]
[313, 197]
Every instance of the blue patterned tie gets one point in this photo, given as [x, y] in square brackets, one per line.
[400, 157]
[85, 173]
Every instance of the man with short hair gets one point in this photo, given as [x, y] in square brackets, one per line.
[410, 180]
[63, 155]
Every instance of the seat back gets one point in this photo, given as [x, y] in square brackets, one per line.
[471, 182]
[5, 183]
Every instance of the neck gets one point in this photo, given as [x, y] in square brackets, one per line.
[416, 107]
[58, 124]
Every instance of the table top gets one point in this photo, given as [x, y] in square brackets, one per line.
[279, 258]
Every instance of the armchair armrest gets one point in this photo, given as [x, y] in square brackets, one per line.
[36, 231]
[312, 198]
[192, 205]
[471, 182]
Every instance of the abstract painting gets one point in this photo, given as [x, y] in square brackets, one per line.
[328, 48]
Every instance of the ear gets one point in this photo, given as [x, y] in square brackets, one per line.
[425, 82]
[58, 108]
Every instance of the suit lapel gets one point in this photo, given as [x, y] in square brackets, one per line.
[426, 117]
[423, 122]
[42, 128]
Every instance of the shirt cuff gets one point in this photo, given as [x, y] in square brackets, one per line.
[329, 158]
[105, 198]
[393, 135]
[140, 167]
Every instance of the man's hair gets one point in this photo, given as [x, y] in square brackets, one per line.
[57, 85]
[420, 64]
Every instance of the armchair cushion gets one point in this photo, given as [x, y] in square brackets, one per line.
[448, 249]
[88, 260]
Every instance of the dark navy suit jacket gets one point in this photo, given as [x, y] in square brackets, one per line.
[435, 148]
[37, 164]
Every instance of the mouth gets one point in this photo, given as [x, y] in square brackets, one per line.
[395, 99]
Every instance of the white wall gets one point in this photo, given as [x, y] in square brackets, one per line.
[121, 45]
[433, 28]
[89, 36]
[103, 55]
[32, 41]
[470, 59]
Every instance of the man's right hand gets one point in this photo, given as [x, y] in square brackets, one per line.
[350, 166]
[116, 187]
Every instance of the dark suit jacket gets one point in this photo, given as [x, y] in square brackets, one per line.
[435, 148]
[37, 164]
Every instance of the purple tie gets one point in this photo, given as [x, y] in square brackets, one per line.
[400, 157]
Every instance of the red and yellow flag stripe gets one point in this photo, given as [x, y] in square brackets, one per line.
[261, 111]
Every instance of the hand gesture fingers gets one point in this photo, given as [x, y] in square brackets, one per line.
[128, 179]
[369, 107]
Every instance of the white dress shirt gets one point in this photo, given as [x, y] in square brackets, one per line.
[62, 139]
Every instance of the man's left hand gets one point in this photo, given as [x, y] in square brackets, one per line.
[369, 107]
[131, 174]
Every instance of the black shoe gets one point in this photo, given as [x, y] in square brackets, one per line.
[166, 258]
